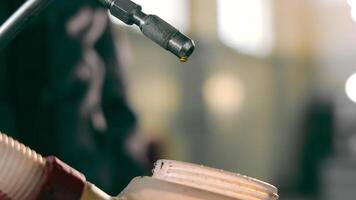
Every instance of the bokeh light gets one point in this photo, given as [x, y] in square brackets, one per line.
[246, 25]
[352, 3]
[224, 94]
[351, 88]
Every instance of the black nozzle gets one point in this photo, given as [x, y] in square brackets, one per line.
[152, 27]
[167, 36]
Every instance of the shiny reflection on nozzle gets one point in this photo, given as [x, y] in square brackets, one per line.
[181, 46]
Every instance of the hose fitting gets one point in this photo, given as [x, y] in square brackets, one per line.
[26, 175]
[21, 170]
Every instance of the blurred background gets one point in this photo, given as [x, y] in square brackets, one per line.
[270, 92]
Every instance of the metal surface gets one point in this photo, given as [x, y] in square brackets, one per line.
[152, 27]
[19, 19]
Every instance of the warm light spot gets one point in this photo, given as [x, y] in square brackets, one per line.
[351, 88]
[352, 3]
[224, 94]
[246, 25]
[353, 13]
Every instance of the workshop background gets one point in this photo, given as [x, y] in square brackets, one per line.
[264, 94]
[270, 92]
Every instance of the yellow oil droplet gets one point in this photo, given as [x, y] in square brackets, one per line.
[184, 59]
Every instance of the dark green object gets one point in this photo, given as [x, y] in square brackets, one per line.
[41, 97]
[20, 18]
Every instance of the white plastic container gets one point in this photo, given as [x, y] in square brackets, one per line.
[23, 170]
[173, 180]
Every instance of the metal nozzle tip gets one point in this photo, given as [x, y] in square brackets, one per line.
[152, 27]
[188, 48]
[181, 46]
